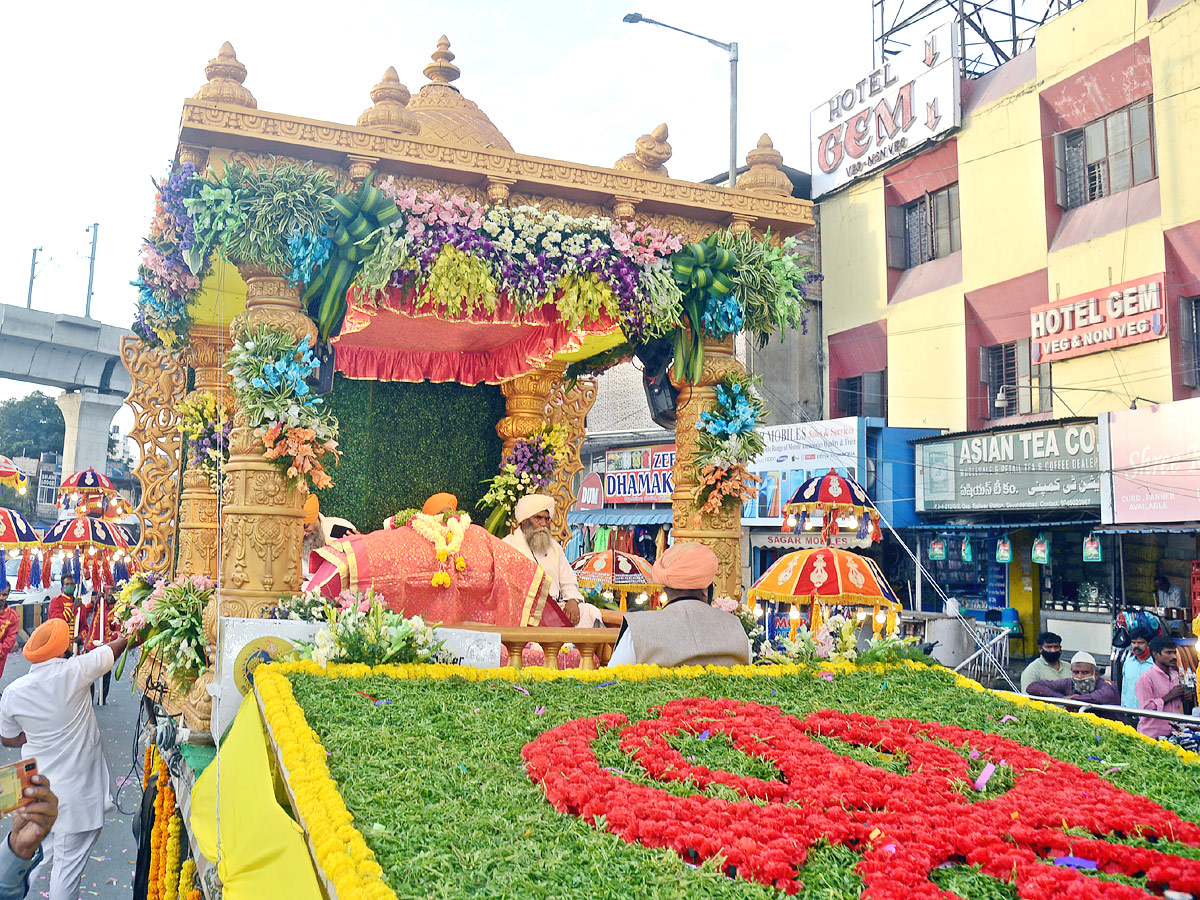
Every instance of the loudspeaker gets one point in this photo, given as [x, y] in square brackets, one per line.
[661, 396]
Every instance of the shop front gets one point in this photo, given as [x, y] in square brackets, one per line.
[1009, 519]
[1151, 505]
[625, 503]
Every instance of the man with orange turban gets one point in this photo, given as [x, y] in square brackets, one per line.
[687, 631]
[48, 713]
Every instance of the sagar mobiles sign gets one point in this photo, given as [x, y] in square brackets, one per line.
[1123, 314]
[910, 100]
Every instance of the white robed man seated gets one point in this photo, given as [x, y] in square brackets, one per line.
[533, 539]
[687, 631]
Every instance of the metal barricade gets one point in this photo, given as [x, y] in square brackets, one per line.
[990, 661]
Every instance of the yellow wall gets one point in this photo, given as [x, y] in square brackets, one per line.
[1003, 226]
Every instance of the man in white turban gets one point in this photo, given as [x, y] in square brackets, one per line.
[532, 538]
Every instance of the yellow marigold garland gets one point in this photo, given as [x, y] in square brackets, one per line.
[187, 880]
[170, 870]
[164, 813]
[342, 853]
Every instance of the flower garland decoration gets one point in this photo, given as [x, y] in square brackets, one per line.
[728, 439]
[269, 372]
[206, 426]
[187, 880]
[170, 870]
[164, 815]
[169, 619]
[526, 469]
[275, 216]
[446, 533]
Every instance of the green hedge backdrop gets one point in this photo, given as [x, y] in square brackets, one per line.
[401, 443]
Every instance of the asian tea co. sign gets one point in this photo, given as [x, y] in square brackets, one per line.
[1124, 314]
[911, 99]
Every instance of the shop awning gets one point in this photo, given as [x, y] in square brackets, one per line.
[619, 517]
[1150, 528]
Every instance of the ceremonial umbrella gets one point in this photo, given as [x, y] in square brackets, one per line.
[90, 493]
[18, 537]
[836, 499]
[11, 476]
[87, 533]
[825, 577]
[616, 572]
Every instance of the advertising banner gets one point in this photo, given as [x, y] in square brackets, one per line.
[1128, 313]
[795, 453]
[913, 98]
[1052, 467]
[1156, 463]
[640, 474]
[591, 492]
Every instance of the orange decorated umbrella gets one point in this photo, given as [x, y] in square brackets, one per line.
[834, 501]
[827, 577]
[617, 572]
[11, 476]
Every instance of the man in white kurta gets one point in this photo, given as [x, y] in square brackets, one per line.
[48, 713]
[533, 539]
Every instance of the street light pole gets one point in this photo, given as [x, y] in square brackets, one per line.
[732, 50]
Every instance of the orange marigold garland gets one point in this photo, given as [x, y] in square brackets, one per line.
[717, 485]
[164, 812]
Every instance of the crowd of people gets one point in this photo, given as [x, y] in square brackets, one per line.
[1155, 674]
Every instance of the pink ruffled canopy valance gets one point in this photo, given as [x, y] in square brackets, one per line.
[397, 340]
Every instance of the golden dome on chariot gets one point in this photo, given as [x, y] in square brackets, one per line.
[445, 115]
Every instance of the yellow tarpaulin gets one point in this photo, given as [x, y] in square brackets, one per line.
[261, 853]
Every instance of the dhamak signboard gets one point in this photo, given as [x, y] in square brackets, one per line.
[1053, 467]
[910, 100]
[640, 474]
[1128, 313]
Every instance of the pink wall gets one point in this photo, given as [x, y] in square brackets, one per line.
[854, 351]
[1183, 280]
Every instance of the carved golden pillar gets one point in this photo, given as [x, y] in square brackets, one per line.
[159, 382]
[262, 518]
[525, 399]
[572, 407]
[723, 531]
[208, 347]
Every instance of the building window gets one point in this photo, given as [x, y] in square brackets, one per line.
[863, 395]
[1014, 387]
[1189, 337]
[927, 228]
[1106, 156]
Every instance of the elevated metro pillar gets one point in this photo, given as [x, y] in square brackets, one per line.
[88, 415]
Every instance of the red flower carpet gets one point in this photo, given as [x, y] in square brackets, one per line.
[904, 825]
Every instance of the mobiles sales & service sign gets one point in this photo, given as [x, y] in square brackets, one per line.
[910, 100]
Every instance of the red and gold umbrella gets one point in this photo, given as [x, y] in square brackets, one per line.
[619, 573]
[11, 476]
[97, 540]
[18, 537]
[827, 577]
[88, 493]
[836, 501]
[15, 531]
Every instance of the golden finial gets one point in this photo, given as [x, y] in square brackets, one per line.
[650, 153]
[390, 112]
[442, 70]
[225, 74]
[765, 175]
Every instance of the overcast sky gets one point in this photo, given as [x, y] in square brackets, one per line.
[95, 91]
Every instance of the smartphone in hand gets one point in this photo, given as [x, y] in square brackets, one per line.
[14, 779]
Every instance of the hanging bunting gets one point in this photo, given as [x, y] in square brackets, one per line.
[1004, 550]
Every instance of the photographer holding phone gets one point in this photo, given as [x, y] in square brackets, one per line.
[22, 851]
[49, 713]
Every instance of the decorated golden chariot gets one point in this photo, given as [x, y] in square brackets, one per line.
[313, 290]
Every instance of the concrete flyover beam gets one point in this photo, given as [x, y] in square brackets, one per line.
[67, 352]
[88, 415]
